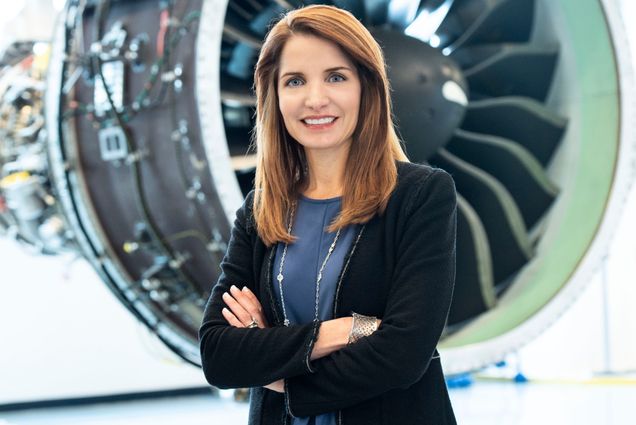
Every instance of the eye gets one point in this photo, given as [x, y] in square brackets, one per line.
[336, 78]
[294, 82]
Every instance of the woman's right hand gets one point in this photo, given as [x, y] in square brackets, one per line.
[278, 386]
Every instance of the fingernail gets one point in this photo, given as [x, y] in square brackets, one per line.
[225, 309]
[245, 289]
[233, 287]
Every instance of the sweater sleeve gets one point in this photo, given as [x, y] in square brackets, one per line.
[399, 352]
[240, 357]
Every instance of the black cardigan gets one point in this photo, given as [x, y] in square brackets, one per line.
[400, 268]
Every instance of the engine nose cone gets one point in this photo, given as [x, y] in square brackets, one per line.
[429, 92]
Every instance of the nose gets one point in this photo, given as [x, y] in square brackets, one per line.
[317, 97]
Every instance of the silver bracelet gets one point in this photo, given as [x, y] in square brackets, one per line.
[362, 326]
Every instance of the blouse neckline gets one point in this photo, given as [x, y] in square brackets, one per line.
[320, 201]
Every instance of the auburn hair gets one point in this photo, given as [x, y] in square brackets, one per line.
[281, 170]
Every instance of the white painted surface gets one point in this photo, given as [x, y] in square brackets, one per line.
[574, 347]
[63, 334]
[484, 403]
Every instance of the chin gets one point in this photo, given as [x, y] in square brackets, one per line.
[322, 145]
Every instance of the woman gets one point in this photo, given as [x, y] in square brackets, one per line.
[339, 273]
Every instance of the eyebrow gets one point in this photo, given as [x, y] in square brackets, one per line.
[336, 68]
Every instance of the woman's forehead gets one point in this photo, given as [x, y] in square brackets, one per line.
[311, 53]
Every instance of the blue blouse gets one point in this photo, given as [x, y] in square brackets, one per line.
[302, 263]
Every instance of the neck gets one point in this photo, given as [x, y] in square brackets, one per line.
[326, 173]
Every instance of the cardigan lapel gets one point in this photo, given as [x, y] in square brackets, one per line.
[266, 280]
[345, 266]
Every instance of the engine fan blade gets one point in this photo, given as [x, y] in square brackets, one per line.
[496, 208]
[524, 120]
[512, 165]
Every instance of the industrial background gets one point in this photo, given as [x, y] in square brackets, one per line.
[124, 153]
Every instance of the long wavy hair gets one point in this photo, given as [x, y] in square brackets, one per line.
[281, 170]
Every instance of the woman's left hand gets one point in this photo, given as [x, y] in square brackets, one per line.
[243, 306]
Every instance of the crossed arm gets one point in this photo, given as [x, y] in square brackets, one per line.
[243, 306]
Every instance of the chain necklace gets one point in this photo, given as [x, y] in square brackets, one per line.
[280, 276]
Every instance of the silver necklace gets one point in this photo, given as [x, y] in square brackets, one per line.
[280, 276]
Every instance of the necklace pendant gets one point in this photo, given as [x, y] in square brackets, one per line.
[279, 277]
[286, 322]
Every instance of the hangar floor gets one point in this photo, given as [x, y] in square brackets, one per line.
[483, 403]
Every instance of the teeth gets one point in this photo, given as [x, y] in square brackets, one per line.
[319, 121]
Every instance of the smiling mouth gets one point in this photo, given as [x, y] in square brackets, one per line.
[315, 121]
[319, 123]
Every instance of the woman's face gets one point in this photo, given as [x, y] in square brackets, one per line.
[318, 93]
